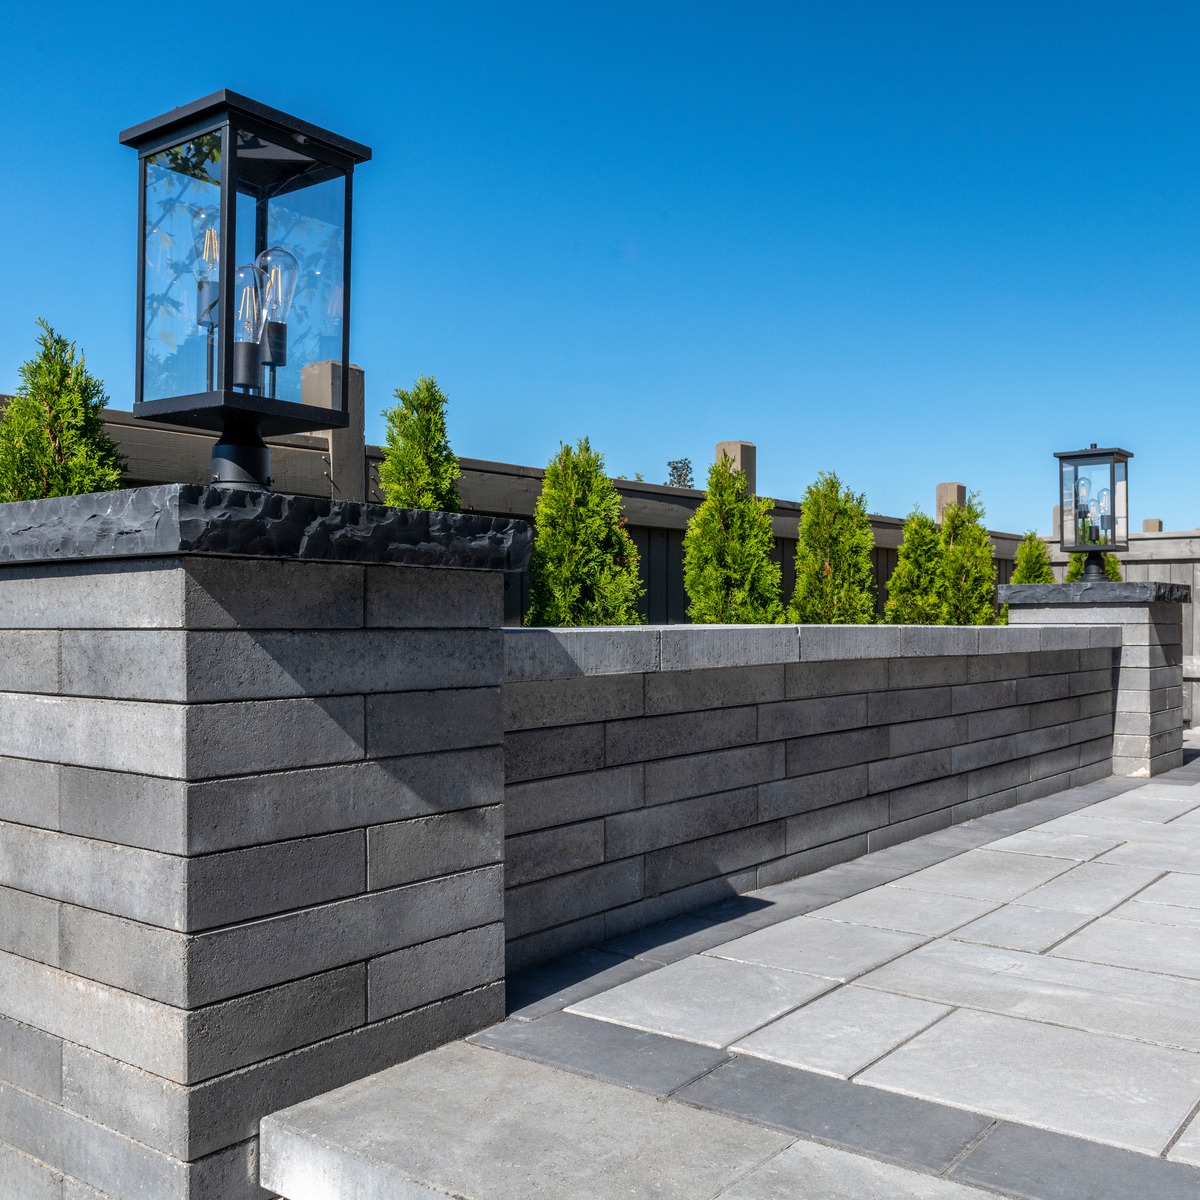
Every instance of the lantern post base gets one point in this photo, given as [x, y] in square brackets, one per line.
[1093, 567]
[241, 459]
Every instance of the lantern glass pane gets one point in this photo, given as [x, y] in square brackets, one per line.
[1088, 496]
[291, 219]
[1121, 503]
[181, 238]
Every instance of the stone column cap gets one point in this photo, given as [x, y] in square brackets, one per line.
[181, 519]
[1102, 592]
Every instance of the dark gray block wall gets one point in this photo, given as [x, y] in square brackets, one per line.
[250, 850]
[652, 770]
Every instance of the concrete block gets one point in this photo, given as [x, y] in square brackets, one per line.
[683, 691]
[1167, 761]
[432, 971]
[975, 697]
[983, 806]
[29, 660]
[1055, 661]
[717, 771]
[1147, 746]
[146, 960]
[793, 866]
[825, 752]
[1109, 636]
[804, 680]
[913, 737]
[886, 836]
[1061, 638]
[419, 598]
[936, 640]
[537, 704]
[659, 825]
[140, 884]
[556, 851]
[148, 739]
[31, 1059]
[921, 798]
[29, 792]
[890, 773]
[694, 647]
[1100, 769]
[558, 653]
[803, 793]
[564, 898]
[223, 814]
[1006, 640]
[1167, 634]
[1097, 750]
[201, 667]
[654, 909]
[926, 671]
[989, 667]
[241, 593]
[1093, 727]
[425, 847]
[1054, 762]
[115, 806]
[909, 704]
[974, 755]
[1096, 660]
[1132, 768]
[804, 718]
[1151, 656]
[273, 735]
[835, 823]
[997, 778]
[29, 925]
[547, 944]
[25, 1178]
[538, 753]
[240, 885]
[678, 866]
[1043, 687]
[682, 733]
[848, 641]
[542, 803]
[134, 594]
[1148, 723]
[242, 958]
[1054, 712]
[421, 722]
[997, 722]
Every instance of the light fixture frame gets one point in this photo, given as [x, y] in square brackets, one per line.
[1110, 458]
[226, 113]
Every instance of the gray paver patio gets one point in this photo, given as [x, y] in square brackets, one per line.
[1010, 1007]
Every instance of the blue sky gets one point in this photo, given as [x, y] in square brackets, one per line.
[906, 242]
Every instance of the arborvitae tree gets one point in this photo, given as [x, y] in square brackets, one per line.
[835, 580]
[584, 566]
[1112, 568]
[679, 473]
[967, 585]
[1033, 561]
[913, 597]
[728, 571]
[419, 470]
[52, 436]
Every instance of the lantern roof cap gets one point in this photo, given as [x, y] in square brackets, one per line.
[1093, 451]
[234, 103]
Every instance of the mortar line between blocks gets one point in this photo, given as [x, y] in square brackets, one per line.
[1180, 1131]
[853, 1078]
[1105, 913]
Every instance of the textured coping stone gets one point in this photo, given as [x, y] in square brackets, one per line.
[185, 518]
[1102, 592]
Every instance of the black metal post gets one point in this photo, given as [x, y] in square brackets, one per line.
[1093, 567]
[241, 458]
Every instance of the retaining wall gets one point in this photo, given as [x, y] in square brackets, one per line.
[650, 770]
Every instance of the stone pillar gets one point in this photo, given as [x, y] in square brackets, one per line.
[744, 457]
[1148, 716]
[1152, 525]
[251, 824]
[947, 494]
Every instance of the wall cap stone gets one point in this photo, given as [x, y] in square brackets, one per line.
[1105, 592]
[174, 519]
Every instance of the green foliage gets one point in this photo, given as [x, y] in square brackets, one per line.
[728, 570]
[1033, 561]
[835, 582]
[913, 597]
[584, 566]
[1112, 567]
[967, 583]
[679, 473]
[52, 436]
[419, 470]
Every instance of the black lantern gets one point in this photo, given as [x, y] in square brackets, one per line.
[243, 275]
[1094, 486]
